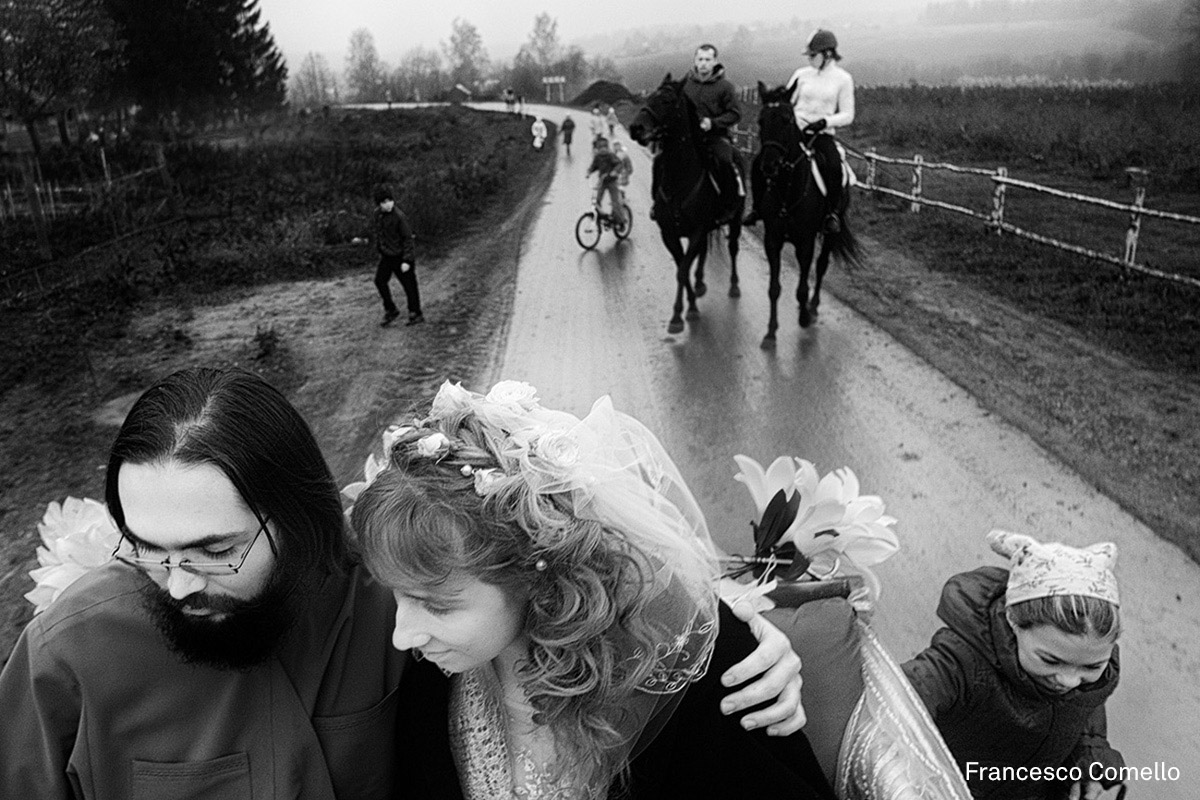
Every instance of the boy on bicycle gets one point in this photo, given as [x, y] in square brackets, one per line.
[609, 167]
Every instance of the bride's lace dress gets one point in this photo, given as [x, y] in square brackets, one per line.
[500, 754]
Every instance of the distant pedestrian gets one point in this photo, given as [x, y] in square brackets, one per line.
[597, 125]
[539, 131]
[394, 239]
[612, 122]
[568, 131]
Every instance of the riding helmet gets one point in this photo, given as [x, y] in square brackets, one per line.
[821, 40]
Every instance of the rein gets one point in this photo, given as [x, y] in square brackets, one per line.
[784, 169]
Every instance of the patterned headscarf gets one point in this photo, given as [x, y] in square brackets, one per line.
[1052, 569]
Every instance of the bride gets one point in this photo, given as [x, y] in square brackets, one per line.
[555, 577]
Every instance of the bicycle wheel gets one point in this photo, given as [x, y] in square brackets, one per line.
[587, 230]
[622, 231]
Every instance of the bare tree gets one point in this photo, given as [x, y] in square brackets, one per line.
[543, 43]
[314, 84]
[419, 76]
[465, 53]
[366, 75]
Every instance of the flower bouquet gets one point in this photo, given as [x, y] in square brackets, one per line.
[812, 529]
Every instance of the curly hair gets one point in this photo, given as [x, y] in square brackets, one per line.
[596, 609]
[1073, 614]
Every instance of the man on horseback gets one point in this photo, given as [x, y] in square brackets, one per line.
[823, 100]
[717, 105]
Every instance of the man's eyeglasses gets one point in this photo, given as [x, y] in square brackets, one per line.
[127, 551]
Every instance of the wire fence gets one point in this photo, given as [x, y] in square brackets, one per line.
[106, 212]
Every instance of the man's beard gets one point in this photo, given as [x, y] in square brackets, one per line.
[248, 632]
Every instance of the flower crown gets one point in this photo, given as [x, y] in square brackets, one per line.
[534, 439]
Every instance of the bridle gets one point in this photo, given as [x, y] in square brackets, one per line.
[780, 171]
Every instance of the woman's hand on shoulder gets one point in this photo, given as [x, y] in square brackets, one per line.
[778, 669]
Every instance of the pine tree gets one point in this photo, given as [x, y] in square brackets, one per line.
[199, 59]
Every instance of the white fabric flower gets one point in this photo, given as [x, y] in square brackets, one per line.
[450, 398]
[514, 393]
[558, 449]
[487, 481]
[434, 446]
[392, 435]
[79, 536]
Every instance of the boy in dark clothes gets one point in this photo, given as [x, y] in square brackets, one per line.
[394, 238]
[608, 165]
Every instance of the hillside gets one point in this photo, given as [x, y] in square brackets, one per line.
[902, 49]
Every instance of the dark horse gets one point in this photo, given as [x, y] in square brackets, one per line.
[686, 200]
[793, 206]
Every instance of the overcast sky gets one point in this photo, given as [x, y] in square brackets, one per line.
[324, 26]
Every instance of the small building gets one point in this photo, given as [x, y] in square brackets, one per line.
[459, 94]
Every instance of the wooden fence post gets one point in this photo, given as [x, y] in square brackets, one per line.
[998, 201]
[915, 206]
[35, 209]
[1139, 178]
[871, 166]
[172, 192]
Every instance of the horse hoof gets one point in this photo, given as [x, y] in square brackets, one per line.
[805, 319]
[701, 288]
[693, 313]
[768, 342]
[735, 291]
[676, 326]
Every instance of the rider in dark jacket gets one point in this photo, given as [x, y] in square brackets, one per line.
[717, 105]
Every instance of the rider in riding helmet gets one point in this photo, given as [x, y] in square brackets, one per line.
[823, 98]
[717, 105]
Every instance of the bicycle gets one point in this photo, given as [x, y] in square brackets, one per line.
[592, 223]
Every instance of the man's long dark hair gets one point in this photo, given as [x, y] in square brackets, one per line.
[243, 426]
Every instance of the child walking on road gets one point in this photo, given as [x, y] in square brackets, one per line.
[1017, 679]
[394, 240]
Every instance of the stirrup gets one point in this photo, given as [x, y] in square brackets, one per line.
[832, 224]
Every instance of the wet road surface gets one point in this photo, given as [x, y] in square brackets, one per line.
[841, 393]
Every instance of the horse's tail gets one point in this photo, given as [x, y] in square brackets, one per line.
[844, 244]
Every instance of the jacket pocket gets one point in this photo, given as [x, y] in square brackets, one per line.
[360, 749]
[224, 778]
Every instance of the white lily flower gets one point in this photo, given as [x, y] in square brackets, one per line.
[832, 518]
[764, 485]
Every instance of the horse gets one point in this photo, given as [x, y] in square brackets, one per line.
[793, 205]
[686, 200]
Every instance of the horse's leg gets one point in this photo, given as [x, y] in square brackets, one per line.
[805, 244]
[773, 245]
[699, 243]
[735, 235]
[822, 265]
[681, 280]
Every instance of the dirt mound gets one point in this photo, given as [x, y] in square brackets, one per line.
[605, 93]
